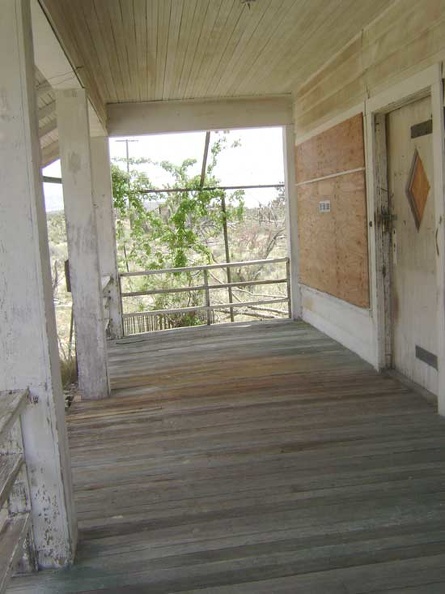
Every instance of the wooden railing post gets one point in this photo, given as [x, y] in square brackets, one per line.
[227, 251]
[207, 296]
[16, 538]
[289, 301]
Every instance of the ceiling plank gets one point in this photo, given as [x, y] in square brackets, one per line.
[194, 33]
[213, 51]
[50, 153]
[48, 128]
[141, 39]
[43, 89]
[204, 42]
[47, 110]
[172, 56]
[246, 29]
[128, 23]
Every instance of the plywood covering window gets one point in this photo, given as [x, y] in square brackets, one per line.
[333, 243]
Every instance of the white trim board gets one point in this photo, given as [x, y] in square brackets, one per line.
[349, 325]
[412, 88]
[161, 117]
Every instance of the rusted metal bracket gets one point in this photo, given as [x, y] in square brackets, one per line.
[385, 219]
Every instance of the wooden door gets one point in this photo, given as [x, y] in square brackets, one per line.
[413, 247]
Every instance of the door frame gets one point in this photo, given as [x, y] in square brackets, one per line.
[425, 83]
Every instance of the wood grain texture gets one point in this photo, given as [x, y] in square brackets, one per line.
[413, 273]
[334, 245]
[151, 50]
[253, 458]
[339, 149]
[406, 38]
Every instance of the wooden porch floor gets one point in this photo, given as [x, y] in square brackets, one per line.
[253, 459]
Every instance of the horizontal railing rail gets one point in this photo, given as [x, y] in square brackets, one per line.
[16, 537]
[204, 267]
[145, 321]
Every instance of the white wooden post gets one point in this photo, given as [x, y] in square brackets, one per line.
[292, 219]
[28, 338]
[437, 102]
[74, 142]
[103, 203]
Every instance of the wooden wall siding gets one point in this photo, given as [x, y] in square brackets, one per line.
[338, 149]
[334, 245]
[147, 50]
[407, 37]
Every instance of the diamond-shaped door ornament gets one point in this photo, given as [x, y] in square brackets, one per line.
[417, 188]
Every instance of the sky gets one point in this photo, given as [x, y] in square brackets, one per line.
[258, 160]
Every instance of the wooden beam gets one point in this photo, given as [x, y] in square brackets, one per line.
[43, 88]
[50, 153]
[293, 246]
[48, 128]
[47, 110]
[207, 188]
[132, 119]
[47, 179]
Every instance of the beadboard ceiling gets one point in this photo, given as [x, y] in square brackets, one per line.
[151, 50]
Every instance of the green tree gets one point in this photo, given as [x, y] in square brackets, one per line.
[171, 229]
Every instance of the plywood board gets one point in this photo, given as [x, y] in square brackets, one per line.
[338, 149]
[333, 245]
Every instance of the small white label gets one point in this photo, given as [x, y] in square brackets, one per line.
[324, 206]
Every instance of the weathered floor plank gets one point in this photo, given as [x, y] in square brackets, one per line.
[253, 458]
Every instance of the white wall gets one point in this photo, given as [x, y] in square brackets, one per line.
[351, 326]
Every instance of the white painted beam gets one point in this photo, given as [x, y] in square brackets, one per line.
[103, 203]
[437, 101]
[132, 119]
[74, 143]
[292, 219]
[28, 338]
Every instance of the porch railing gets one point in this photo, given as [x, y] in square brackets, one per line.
[201, 289]
[16, 538]
[105, 284]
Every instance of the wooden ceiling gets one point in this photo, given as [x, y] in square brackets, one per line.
[147, 50]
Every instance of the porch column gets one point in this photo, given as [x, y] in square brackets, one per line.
[103, 203]
[292, 219]
[74, 143]
[28, 337]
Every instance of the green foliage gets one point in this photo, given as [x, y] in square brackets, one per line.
[173, 228]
